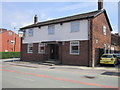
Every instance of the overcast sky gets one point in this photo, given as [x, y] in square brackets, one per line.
[19, 14]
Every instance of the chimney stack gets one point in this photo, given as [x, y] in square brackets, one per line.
[35, 19]
[100, 4]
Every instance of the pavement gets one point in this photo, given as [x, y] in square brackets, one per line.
[113, 71]
[16, 61]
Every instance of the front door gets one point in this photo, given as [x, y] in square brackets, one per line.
[54, 51]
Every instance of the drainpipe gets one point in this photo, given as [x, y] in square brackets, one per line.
[61, 51]
[91, 33]
[21, 51]
[88, 42]
[90, 61]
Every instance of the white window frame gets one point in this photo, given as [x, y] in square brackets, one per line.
[10, 33]
[28, 51]
[104, 30]
[41, 45]
[51, 29]
[78, 44]
[12, 42]
[30, 32]
[75, 26]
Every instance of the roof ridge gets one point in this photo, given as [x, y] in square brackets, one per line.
[73, 15]
[67, 18]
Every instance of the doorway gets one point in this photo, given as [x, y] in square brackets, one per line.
[54, 51]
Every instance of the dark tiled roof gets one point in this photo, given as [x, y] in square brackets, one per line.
[66, 19]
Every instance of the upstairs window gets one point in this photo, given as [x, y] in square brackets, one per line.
[30, 48]
[30, 32]
[104, 30]
[74, 47]
[51, 29]
[41, 48]
[75, 26]
[10, 33]
[12, 42]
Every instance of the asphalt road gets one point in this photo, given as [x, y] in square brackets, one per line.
[26, 77]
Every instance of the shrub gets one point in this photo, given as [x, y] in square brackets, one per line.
[9, 54]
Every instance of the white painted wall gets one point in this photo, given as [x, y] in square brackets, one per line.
[62, 33]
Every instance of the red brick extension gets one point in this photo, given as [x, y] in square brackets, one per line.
[6, 41]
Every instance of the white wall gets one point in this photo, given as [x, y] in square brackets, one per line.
[62, 33]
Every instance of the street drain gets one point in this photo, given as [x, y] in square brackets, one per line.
[89, 76]
[52, 68]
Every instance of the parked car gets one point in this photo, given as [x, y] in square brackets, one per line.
[117, 62]
[108, 59]
[117, 54]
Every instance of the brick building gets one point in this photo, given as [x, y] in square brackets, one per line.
[115, 43]
[74, 40]
[10, 42]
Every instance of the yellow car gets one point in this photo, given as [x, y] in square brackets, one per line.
[108, 59]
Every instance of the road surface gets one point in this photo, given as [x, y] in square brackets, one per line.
[49, 77]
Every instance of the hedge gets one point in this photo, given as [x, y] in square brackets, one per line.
[9, 55]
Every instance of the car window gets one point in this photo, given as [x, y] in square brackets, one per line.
[118, 56]
[107, 56]
[114, 56]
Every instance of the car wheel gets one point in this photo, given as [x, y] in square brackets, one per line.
[101, 64]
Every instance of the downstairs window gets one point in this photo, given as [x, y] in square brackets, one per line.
[74, 47]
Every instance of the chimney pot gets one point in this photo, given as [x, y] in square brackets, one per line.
[100, 4]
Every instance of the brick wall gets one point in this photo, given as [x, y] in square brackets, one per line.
[64, 54]
[6, 42]
[115, 41]
[81, 59]
[35, 56]
[97, 34]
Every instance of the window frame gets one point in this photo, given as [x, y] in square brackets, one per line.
[29, 32]
[75, 24]
[10, 33]
[71, 44]
[12, 41]
[51, 29]
[104, 30]
[28, 51]
[39, 45]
